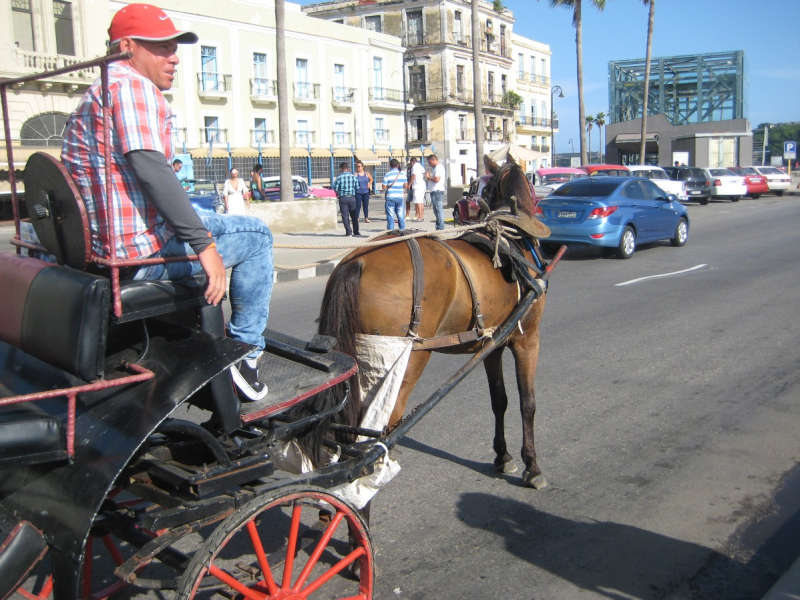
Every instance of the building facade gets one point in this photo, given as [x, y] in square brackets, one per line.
[437, 76]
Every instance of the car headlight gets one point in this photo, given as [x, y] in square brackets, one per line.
[220, 208]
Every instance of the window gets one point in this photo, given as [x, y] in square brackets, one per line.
[543, 69]
[208, 62]
[490, 86]
[533, 110]
[377, 70]
[339, 135]
[260, 134]
[44, 130]
[544, 141]
[418, 129]
[339, 89]
[533, 68]
[22, 20]
[381, 135]
[260, 74]
[65, 40]
[301, 78]
[502, 40]
[460, 79]
[373, 24]
[302, 133]
[457, 28]
[417, 80]
[462, 128]
[521, 66]
[414, 28]
[544, 109]
[212, 130]
[633, 191]
[503, 84]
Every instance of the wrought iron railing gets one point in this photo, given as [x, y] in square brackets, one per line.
[381, 94]
[263, 87]
[262, 136]
[343, 94]
[304, 137]
[306, 91]
[342, 138]
[214, 135]
[214, 82]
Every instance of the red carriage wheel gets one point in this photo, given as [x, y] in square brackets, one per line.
[285, 546]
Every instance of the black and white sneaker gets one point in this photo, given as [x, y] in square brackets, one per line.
[245, 376]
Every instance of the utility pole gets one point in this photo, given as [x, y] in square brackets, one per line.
[476, 87]
[287, 190]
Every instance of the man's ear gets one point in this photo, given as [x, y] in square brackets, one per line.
[126, 44]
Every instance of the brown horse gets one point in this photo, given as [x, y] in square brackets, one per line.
[370, 292]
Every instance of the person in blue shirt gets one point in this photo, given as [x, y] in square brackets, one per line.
[345, 187]
[395, 182]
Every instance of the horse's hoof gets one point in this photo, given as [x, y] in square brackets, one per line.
[537, 482]
[506, 467]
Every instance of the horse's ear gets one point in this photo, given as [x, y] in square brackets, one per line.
[510, 159]
[490, 165]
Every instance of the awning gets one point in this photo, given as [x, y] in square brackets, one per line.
[634, 137]
[217, 152]
[368, 157]
[245, 152]
[415, 152]
[321, 152]
[270, 152]
[384, 153]
[297, 152]
[22, 153]
[342, 153]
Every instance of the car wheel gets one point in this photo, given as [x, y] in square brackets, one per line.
[703, 201]
[681, 233]
[627, 243]
[755, 196]
[550, 248]
[779, 193]
[735, 198]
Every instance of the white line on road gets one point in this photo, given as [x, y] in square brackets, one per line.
[657, 276]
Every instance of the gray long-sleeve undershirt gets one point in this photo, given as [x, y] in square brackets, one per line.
[162, 188]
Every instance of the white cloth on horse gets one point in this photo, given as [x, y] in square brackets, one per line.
[382, 362]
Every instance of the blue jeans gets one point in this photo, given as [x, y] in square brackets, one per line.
[362, 202]
[437, 199]
[395, 209]
[245, 244]
[257, 195]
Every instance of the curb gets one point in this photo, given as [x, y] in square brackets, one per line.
[323, 270]
[788, 586]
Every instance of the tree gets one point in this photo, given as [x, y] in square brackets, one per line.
[477, 92]
[589, 120]
[779, 133]
[599, 122]
[651, 18]
[575, 5]
[287, 191]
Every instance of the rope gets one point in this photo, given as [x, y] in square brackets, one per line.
[346, 249]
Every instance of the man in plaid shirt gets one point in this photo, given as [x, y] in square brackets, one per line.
[152, 213]
[345, 187]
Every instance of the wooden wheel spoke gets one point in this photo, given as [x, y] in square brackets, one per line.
[234, 583]
[108, 542]
[258, 547]
[321, 545]
[333, 571]
[297, 510]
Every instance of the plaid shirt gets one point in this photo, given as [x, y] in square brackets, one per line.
[346, 184]
[142, 120]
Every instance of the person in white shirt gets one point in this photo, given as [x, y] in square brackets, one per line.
[418, 189]
[436, 186]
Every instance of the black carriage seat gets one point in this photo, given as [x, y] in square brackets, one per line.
[22, 548]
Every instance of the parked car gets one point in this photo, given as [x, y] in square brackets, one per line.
[610, 170]
[553, 178]
[272, 188]
[613, 212]
[726, 184]
[658, 176]
[777, 181]
[204, 195]
[755, 182]
[696, 185]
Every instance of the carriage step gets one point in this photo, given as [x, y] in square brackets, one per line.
[22, 549]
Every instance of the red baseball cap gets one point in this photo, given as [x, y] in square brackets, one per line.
[146, 22]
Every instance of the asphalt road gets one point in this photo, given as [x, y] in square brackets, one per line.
[668, 421]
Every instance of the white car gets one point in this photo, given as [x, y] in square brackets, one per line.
[658, 176]
[777, 180]
[726, 184]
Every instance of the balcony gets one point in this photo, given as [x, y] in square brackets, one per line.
[306, 94]
[460, 39]
[342, 139]
[530, 122]
[262, 136]
[178, 136]
[263, 91]
[305, 138]
[540, 79]
[36, 62]
[496, 48]
[214, 135]
[414, 39]
[465, 135]
[343, 97]
[494, 135]
[496, 101]
[536, 147]
[545, 148]
[523, 76]
[419, 136]
[441, 96]
[214, 85]
[381, 136]
[386, 99]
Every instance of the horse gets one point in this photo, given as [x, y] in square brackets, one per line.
[370, 292]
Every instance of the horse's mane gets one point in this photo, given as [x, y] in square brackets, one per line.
[508, 180]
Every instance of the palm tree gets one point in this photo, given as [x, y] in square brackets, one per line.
[575, 5]
[477, 94]
[651, 18]
[589, 119]
[599, 122]
[287, 191]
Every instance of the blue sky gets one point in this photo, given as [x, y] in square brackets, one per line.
[765, 30]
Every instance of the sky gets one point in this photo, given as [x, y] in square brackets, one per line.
[766, 31]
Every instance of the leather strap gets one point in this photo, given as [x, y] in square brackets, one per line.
[418, 287]
[444, 341]
[477, 315]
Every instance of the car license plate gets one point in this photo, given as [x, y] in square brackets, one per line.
[567, 214]
[694, 192]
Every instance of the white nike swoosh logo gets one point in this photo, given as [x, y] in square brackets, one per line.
[164, 18]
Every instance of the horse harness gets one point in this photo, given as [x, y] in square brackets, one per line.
[500, 241]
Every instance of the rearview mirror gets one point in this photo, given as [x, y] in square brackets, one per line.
[671, 198]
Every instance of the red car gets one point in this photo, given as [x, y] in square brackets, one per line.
[610, 170]
[756, 183]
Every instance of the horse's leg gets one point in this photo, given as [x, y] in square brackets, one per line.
[493, 364]
[416, 365]
[526, 355]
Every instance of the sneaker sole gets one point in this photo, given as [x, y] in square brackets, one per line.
[244, 387]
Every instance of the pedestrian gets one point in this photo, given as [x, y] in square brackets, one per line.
[235, 196]
[436, 186]
[417, 184]
[394, 186]
[159, 220]
[409, 193]
[177, 165]
[256, 185]
[364, 189]
[345, 187]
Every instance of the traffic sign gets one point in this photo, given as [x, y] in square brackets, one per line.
[790, 150]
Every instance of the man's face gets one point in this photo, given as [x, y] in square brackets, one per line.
[154, 60]
[176, 166]
[433, 162]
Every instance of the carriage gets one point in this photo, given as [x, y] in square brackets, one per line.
[108, 481]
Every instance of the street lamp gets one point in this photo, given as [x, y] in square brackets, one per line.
[555, 90]
[413, 60]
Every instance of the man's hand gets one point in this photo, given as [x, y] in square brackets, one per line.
[211, 261]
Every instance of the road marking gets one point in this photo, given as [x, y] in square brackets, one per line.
[657, 276]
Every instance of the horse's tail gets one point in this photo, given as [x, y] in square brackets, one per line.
[340, 317]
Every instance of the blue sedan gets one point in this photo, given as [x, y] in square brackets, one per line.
[613, 212]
